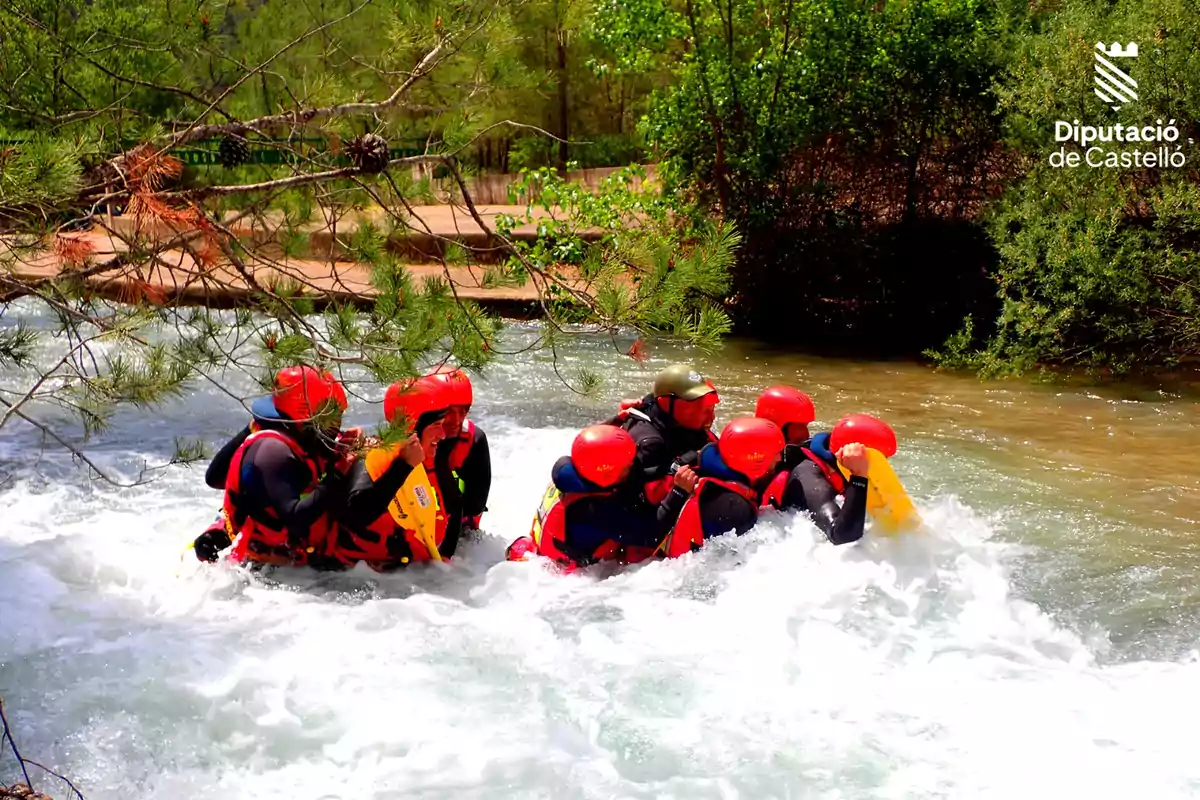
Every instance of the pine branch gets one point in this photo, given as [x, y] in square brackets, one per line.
[307, 116]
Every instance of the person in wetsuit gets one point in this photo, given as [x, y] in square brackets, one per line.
[366, 529]
[793, 411]
[745, 470]
[669, 426]
[282, 480]
[720, 493]
[813, 482]
[464, 462]
[597, 514]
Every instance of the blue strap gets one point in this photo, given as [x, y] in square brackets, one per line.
[820, 446]
[713, 466]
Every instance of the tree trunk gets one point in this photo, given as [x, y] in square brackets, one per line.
[564, 124]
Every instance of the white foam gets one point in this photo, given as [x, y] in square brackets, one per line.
[771, 666]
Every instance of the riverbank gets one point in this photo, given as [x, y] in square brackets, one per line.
[321, 272]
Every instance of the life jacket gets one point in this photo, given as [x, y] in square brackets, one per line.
[385, 541]
[265, 541]
[549, 528]
[819, 453]
[630, 412]
[688, 534]
[772, 496]
[463, 444]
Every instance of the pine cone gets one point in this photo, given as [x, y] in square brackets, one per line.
[369, 153]
[234, 151]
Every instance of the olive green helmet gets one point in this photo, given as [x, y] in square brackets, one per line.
[682, 381]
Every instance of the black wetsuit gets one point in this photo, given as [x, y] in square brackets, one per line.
[218, 468]
[809, 490]
[661, 443]
[274, 478]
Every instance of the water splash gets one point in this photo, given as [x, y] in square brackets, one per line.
[768, 666]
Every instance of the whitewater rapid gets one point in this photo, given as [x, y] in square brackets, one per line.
[770, 666]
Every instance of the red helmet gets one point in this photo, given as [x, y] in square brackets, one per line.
[458, 385]
[865, 430]
[783, 405]
[302, 392]
[602, 452]
[751, 445]
[412, 399]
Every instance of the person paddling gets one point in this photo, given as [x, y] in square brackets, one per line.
[464, 462]
[282, 482]
[373, 527]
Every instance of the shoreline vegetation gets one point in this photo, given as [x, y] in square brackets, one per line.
[889, 168]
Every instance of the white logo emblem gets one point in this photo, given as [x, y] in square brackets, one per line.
[694, 377]
[1113, 85]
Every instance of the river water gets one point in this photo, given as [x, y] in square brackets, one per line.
[1037, 639]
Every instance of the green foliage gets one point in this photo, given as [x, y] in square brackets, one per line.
[641, 266]
[1100, 267]
[17, 345]
[40, 173]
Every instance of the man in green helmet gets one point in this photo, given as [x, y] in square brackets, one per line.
[670, 426]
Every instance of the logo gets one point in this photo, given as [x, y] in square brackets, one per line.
[1113, 85]
[1149, 144]
[422, 496]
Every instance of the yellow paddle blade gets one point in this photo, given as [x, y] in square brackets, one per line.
[415, 506]
[416, 501]
[888, 504]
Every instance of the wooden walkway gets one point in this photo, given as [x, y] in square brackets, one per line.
[175, 277]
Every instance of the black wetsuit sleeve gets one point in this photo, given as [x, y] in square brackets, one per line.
[218, 468]
[808, 489]
[476, 474]
[284, 478]
[648, 461]
[667, 513]
[367, 499]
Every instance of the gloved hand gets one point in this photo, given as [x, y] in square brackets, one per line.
[209, 544]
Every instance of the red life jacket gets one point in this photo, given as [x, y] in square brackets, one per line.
[688, 533]
[462, 445]
[549, 532]
[371, 545]
[772, 496]
[832, 473]
[265, 541]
